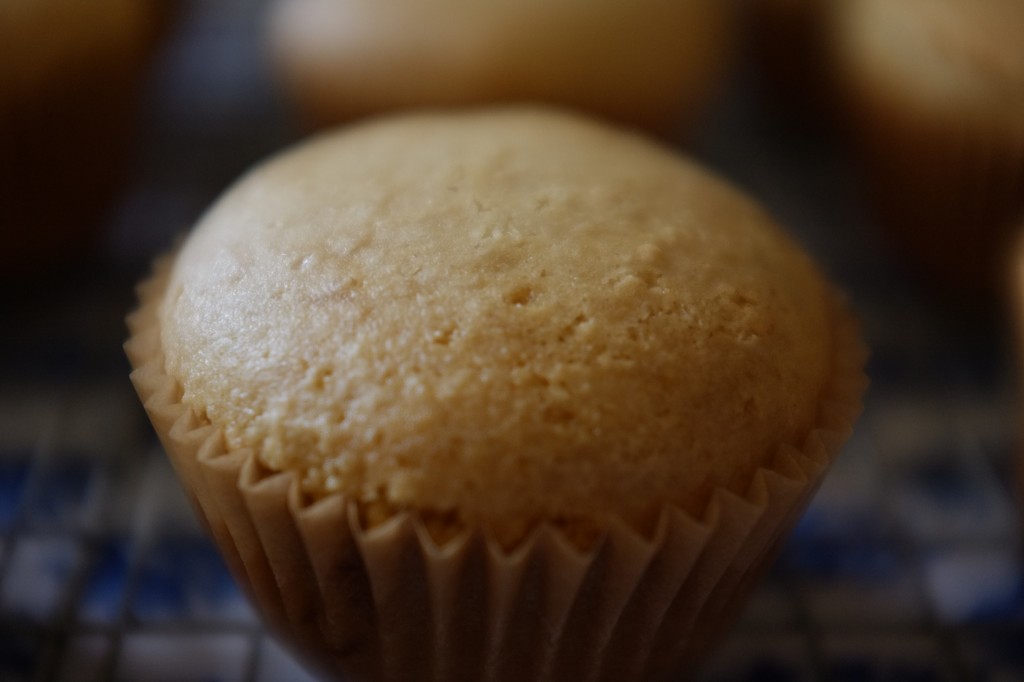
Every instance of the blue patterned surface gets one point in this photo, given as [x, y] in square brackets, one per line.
[104, 588]
[907, 567]
[13, 472]
[184, 578]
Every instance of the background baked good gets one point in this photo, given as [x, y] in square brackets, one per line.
[648, 62]
[71, 75]
[933, 93]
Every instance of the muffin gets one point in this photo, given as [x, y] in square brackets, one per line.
[71, 74]
[934, 96]
[502, 394]
[649, 63]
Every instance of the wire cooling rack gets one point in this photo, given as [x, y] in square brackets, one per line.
[907, 567]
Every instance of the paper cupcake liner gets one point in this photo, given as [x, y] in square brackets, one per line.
[388, 603]
[946, 187]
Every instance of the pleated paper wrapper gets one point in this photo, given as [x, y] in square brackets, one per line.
[388, 603]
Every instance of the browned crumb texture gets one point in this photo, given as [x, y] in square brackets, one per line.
[505, 315]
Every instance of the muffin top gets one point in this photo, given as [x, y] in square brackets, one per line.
[962, 55]
[509, 314]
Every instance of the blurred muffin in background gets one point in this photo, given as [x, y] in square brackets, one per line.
[70, 79]
[649, 63]
[933, 92]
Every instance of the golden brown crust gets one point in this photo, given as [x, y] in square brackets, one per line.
[510, 315]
